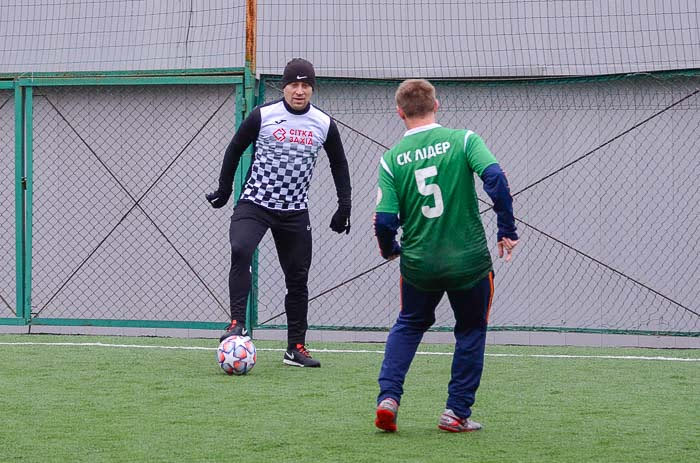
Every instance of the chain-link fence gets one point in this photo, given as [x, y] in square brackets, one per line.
[121, 227]
[7, 202]
[603, 173]
[120, 35]
[604, 178]
[357, 39]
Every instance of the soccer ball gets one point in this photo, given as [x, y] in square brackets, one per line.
[236, 355]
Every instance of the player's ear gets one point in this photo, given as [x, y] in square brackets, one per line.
[436, 106]
[400, 112]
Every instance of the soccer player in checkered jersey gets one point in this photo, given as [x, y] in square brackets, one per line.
[287, 136]
[426, 186]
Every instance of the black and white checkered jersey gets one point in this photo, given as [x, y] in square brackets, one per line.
[286, 146]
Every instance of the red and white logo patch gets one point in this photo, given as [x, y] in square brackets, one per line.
[279, 134]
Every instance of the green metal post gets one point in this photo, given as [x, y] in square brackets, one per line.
[246, 102]
[240, 113]
[239, 177]
[252, 309]
[177, 73]
[28, 175]
[19, 199]
[127, 80]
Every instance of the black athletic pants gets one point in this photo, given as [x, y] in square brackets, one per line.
[291, 231]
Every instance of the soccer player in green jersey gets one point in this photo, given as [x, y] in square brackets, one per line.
[426, 187]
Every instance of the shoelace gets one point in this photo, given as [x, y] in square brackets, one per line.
[302, 349]
[389, 405]
[455, 421]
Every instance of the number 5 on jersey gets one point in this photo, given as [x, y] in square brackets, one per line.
[429, 190]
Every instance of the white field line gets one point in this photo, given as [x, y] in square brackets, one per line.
[352, 351]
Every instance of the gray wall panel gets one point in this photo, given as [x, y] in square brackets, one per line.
[121, 35]
[610, 212]
[97, 150]
[365, 38]
[592, 235]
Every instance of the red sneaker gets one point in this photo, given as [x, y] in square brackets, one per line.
[386, 415]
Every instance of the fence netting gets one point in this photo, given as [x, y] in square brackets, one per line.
[121, 226]
[478, 38]
[360, 38]
[7, 203]
[120, 35]
[603, 171]
[604, 178]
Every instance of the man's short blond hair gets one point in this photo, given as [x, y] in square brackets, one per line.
[416, 97]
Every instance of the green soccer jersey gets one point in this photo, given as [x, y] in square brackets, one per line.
[427, 178]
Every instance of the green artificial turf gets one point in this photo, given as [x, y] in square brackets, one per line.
[87, 403]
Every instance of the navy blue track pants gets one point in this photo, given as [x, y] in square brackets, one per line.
[471, 309]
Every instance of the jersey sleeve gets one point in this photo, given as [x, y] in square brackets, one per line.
[387, 199]
[339, 165]
[246, 134]
[478, 155]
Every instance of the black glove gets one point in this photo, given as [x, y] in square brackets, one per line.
[341, 220]
[218, 198]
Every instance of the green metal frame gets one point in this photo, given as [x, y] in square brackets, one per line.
[548, 329]
[128, 80]
[27, 185]
[22, 84]
[143, 73]
[564, 80]
[252, 309]
[23, 87]
[126, 323]
[20, 219]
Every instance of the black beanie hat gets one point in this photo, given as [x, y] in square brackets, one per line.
[299, 70]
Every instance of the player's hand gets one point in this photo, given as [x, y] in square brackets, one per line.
[218, 198]
[395, 252]
[506, 245]
[340, 222]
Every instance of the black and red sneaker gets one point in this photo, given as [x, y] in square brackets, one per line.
[298, 356]
[234, 329]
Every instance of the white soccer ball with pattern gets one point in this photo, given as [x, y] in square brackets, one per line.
[236, 355]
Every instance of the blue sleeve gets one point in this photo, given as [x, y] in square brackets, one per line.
[496, 186]
[386, 226]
